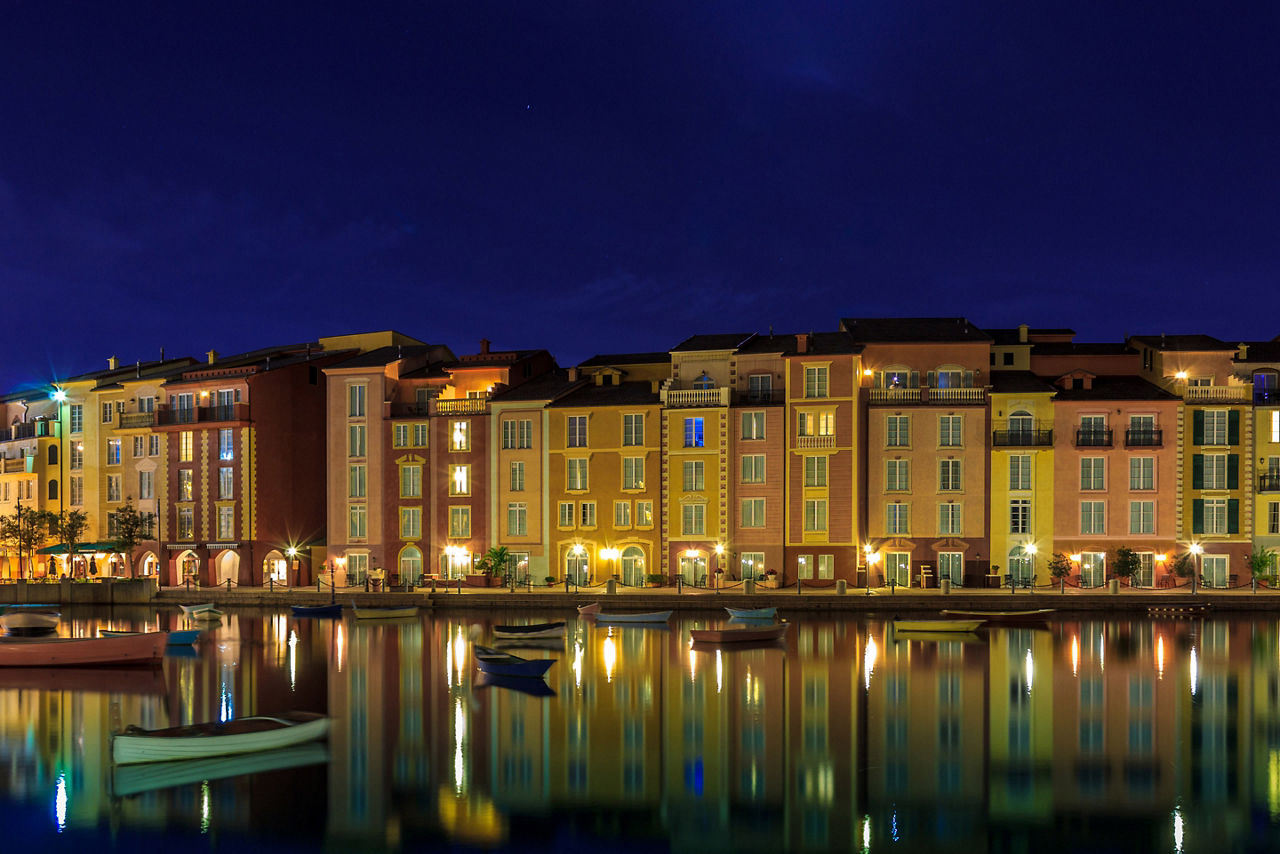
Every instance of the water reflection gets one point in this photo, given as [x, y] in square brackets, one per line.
[1159, 735]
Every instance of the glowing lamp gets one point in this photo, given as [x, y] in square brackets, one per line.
[291, 551]
[1181, 375]
[1030, 548]
[719, 549]
[1075, 558]
[1196, 548]
[1161, 558]
[59, 395]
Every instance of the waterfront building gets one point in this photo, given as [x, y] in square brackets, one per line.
[1258, 363]
[30, 466]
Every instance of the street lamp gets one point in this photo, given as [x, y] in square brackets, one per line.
[292, 552]
[59, 396]
[1030, 549]
[719, 570]
[872, 558]
[1198, 551]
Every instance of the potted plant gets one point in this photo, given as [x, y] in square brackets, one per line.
[1124, 563]
[1262, 563]
[489, 567]
[550, 580]
[653, 579]
[770, 578]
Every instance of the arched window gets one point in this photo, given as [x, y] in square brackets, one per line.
[704, 381]
[410, 565]
[53, 455]
[53, 490]
[633, 566]
[1020, 564]
[1021, 426]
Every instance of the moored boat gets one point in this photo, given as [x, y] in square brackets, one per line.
[752, 613]
[180, 637]
[533, 630]
[400, 613]
[498, 663]
[740, 634]
[24, 623]
[192, 610]
[334, 609]
[593, 612]
[936, 625]
[241, 735]
[1030, 617]
[145, 777]
[82, 652]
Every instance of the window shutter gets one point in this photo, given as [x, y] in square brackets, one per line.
[1233, 471]
[968, 379]
[1233, 427]
[932, 379]
[1197, 471]
[1197, 516]
[1197, 427]
[914, 382]
[1233, 515]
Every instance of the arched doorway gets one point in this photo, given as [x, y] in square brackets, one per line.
[633, 566]
[188, 567]
[693, 566]
[227, 565]
[575, 565]
[275, 567]
[148, 565]
[410, 565]
[1020, 564]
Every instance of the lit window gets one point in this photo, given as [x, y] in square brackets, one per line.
[460, 436]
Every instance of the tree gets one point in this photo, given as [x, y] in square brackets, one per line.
[495, 561]
[131, 527]
[69, 528]
[1125, 562]
[25, 531]
[1184, 564]
[1060, 565]
[1262, 563]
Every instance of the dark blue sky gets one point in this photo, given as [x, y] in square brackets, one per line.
[613, 176]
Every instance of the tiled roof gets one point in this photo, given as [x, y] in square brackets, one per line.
[1011, 336]
[880, 330]
[1184, 343]
[817, 342]
[722, 341]
[1019, 382]
[1084, 348]
[623, 394]
[1117, 388]
[608, 359]
[385, 355]
[1261, 351]
[543, 387]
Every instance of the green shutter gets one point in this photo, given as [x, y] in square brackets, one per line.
[1197, 516]
[1197, 427]
[1197, 471]
[1233, 515]
[1233, 427]
[1233, 471]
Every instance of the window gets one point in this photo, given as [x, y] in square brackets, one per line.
[1215, 472]
[357, 523]
[897, 475]
[146, 486]
[951, 431]
[632, 430]
[575, 474]
[693, 519]
[897, 519]
[400, 436]
[753, 425]
[153, 446]
[76, 459]
[633, 472]
[815, 382]
[459, 435]
[949, 518]
[817, 424]
[949, 476]
[356, 440]
[951, 565]
[1020, 516]
[77, 491]
[139, 446]
[186, 523]
[753, 512]
[622, 514]
[226, 482]
[147, 404]
[1093, 473]
[411, 481]
[1093, 517]
[1142, 473]
[113, 488]
[1142, 517]
[588, 514]
[565, 510]
[355, 400]
[411, 565]
[76, 418]
[226, 444]
[410, 523]
[113, 452]
[751, 564]
[815, 514]
[815, 471]
[226, 523]
[898, 431]
[826, 566]
[108, 408]
[1215, 516]
[459, 479]
[524, 433]
[760, 388]
[576, 431]
[1273, 511]
[804, 566]
[356, 481]
[644, 514]
[1020, 471]
[1215, 427]
[185, 482]
[694, 480]
[517, 520]
[517, 477]
[459, 522]
[1093, 431]
[693, 437]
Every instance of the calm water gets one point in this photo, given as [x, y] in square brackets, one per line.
[1090, 735]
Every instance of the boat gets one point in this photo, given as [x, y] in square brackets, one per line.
[199, 741]
[333, 609]
[740, 634]
[531, 643]
[739, 646]
[180, 637]
[593, 612]
[149, 776]
[936, 625]
[397, 613]
[752, 613]
[533, 630]
[1031, 617]
[521, 684]
[193, 610]
[495, 662]
[82, 652]
[25, 623]
[85, 680]
[939, 637]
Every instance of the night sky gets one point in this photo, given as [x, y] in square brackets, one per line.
[615, 176]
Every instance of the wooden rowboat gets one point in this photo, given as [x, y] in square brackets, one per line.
[743, 634]
[593, 612]
[82, 652]
[533, 630]
[25, 623]
[193, 610]
[181, 637]
[936, 625]
[752, 613]
[333, 609]
[385, 613]
[198, 741]
[146, 777]
[1032, 617]
[523, 685]
[498, 663]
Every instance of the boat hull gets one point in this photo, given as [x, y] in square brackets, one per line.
[385, 613]
[752, 613]
[749, 634]
[83, 652]
[333, 610]
[1033, 617]
[536, 630]
[22, 623]
[651, 617]
[179, 637]
[146, 777]
[937, 625]
[208, 740]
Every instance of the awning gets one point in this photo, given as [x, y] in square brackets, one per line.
[81, 548]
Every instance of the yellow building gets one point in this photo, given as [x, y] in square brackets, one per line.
[1022, 482]
[1259, 364]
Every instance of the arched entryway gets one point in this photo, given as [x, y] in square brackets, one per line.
[576, 566]
[187, 565]
[1020, 564]
[410, 565]
[227, 566]
[633, 566]
[148, 564]
[275, 568]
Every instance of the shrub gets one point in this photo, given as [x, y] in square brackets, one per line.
[653, 578]
[1060, 565]
[1125, 562]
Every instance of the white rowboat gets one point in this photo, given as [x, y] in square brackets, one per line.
[242, 735]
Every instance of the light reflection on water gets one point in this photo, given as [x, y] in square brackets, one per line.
[1166, 735]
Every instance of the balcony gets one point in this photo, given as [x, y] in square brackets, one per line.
[760, 396]
[928, 396]
[1269, 482]
[1143, 438]
[130, 420]
[410, 410]
[1021, 438]
[20, 465]
[1093, 438]
[167, 416]
[1266, 396]
[810, 442]
[460, 406]
[1217, 393]
[28, 430]
[680, 398]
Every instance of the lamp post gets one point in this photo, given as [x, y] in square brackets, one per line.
[292, 552]
[1031, 550]
[60, 397]
[872, 558]
[719, 570]
[1198, 551]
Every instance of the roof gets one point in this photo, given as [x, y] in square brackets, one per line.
[1184, 343]
[721, 341]
[381, 356]
[1117, 388]
[884, 330]
[542, 387]
[624, 394]
[1260, 351]
[787, 344]
[1013, 336]
[612, 359]
[1085, 348]
[491, 359]
[1019, 382]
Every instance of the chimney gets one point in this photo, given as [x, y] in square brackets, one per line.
[599, 378]
[802, 343]
[112, 363]
[1242, 352]
[573, 375]
[655, 386]
[212, 356]
[1022, 333]
[484, 346]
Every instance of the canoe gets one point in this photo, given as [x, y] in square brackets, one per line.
[192, 610]
[498, 663]
[385, 613]
[199, 741]
[533, 630]
[1034, 616]
[147, 777]
[936, 625]
[753, 613]
[181, 637]
[532, 687]
[25, 623]
[82, 652]
[740, 634]
[331, 610]
[593, 612]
